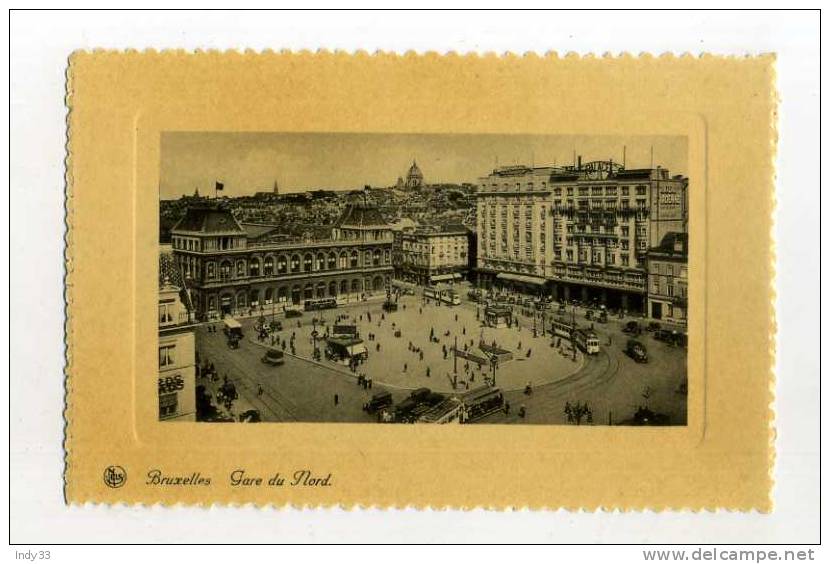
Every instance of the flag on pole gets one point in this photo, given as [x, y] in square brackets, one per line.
[219, 186]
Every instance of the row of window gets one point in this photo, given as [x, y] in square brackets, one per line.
[569, 190]
[296, 263]
[268, 296]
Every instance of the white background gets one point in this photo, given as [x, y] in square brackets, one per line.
[40, 43]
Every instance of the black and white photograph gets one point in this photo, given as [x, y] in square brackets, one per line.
[382, 278]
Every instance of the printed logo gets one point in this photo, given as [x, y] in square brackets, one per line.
[115, 476]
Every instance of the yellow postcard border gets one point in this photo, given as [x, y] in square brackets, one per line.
[120, 101]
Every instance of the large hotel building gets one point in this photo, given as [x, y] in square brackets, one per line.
[577, 232]
[236, 268]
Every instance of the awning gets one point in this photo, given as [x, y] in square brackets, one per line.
[356, 350]
[521, 278]
[444, 277]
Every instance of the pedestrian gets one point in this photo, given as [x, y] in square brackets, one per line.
[456, 317]
[506, 407]
[464, 330]
[336, 399]
[529, 351]
[377, 347]
[404, 367]
[520, 345]
[259, 390]
[428, 372]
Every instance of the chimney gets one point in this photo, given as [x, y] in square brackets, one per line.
[579, 163]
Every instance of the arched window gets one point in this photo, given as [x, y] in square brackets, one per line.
[282, 294]
[225, 270]
[344, 260]
[295, 263]
[308, 293]
[211, 270]
[377, 284]
[212, 303]
[344, 287]
[321, 261]
[367, 258]
[332, 264]
[282, 264]
[355, 286]
[332, 289]
[268, 268]
[376, 258]
[353, 261]
[240, 300]
[240, 268]
[254, 298]
[321, 290]
[295, 294]
[253, 268]
[387, 257]
[307, 262]
[269, 296]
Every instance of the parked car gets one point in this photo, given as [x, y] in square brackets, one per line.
[632, 327]
[379, 401]
[666, 336]
[636, 350]
[420, 394]
[653, 326]
[289, 313]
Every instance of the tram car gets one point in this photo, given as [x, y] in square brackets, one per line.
[587, 341]
[481, 402]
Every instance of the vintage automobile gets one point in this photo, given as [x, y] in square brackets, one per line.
[289, 313]
[632, 327]
[636, 350]
[653, 326]
[389, 306]
[378, 401]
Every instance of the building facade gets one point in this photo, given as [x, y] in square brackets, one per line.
[433, 253]
[176, 346]
[576, 232]
[240, 269]
[668, 278]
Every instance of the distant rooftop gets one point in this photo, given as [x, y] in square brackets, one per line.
[360, 215]
[208, 219]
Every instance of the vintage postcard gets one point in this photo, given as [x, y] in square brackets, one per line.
[431, 281]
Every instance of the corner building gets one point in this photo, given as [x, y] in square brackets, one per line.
[576, 232]
[231, 268]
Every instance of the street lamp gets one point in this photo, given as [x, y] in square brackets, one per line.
[494, 362]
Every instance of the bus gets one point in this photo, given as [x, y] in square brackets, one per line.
[587, 341]
[450, 297]
[431, 294]
[325, 303]
[232, 328]
[562, 327]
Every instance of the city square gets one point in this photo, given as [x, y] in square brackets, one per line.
[303, 389]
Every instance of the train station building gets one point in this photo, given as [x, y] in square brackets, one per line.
[240, 269]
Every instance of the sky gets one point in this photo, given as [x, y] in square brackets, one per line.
[251, 162]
